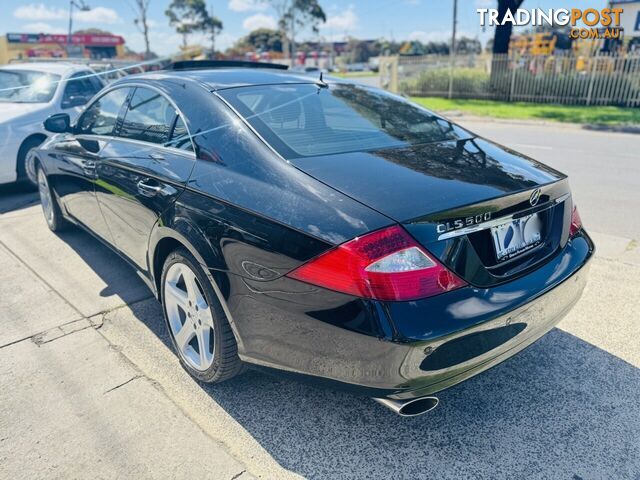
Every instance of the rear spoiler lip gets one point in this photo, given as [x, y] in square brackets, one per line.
[501, 209]
[211, 64]
[500, 220]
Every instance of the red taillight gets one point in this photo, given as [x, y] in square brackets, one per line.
[576, 222]
[384, 265]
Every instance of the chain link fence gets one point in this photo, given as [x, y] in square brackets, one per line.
[601, 79]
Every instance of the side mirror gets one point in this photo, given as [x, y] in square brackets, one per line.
[58, 123]
[75, 101]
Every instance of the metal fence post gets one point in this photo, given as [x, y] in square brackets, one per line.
[513, 79]
[594, 60]
[452, 50]
[610, 79]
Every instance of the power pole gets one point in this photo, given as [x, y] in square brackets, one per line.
[70, 22]
[80, 5]
[213, 35]
[452, 51]
[293, 37]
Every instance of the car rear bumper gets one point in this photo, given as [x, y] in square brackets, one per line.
[499, 333]
[422, 347]
[449, 360]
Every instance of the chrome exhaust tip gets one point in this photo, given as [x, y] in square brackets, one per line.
[410, 408]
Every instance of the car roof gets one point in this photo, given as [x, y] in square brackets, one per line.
[222, 78]
[58, 68]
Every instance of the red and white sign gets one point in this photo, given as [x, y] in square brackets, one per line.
[89, 40]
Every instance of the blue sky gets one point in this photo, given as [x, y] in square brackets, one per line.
[399, 19]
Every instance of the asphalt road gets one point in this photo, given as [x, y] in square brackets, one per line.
[603, 168]
[567, 407]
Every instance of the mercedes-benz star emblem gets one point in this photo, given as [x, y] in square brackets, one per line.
[535, 197]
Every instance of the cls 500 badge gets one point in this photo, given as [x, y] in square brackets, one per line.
[463, 222]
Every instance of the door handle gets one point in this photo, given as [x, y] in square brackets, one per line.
[89, 168]
[147, 189]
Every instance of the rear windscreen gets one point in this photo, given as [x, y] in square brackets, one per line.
[308, 120]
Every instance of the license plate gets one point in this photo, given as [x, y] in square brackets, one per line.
[517, 236]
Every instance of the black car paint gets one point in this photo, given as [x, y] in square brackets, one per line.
[72, 174]
[405, 183]
[249, 217]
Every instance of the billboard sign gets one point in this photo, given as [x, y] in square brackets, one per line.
[103, 40]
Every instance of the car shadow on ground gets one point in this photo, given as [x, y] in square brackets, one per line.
[16, 196]
[560, 409]
[121, 279]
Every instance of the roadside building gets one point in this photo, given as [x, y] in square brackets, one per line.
[42, 45]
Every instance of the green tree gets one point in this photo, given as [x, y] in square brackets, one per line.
[361, 50]
[388, 47]
[191, 16]
[140, 9]
[259, 40]
[413, 47]
[468, 45]
[264, 39]
[213, 26]
[294, 14]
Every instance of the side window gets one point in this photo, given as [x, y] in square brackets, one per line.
[79, 89]
[101, 116]
[149, 117]
[180, 136]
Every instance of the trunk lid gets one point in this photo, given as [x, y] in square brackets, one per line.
[453, 196]
[410, 182]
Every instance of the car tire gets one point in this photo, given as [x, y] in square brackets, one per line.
[197, 324]
[50, 207]
[26, 165]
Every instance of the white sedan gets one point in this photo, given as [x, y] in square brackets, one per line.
[29, 93]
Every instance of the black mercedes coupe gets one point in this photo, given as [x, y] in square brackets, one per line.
[332, 231]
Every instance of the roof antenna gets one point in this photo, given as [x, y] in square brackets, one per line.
[323, 84]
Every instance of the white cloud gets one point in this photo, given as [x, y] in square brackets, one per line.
[42, 27]
[40, 11]
[97, 15]
[248, 5]
[259, 20]
[224, 41]
[164, 44]
[345, 21]
[165, 41]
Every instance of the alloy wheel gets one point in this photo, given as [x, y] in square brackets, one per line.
[45, 197]
[189, 316]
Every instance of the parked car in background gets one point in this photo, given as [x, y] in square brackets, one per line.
[356, 67]
[309, 69]
[29, 93]
[331, 230]
[111, 71]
